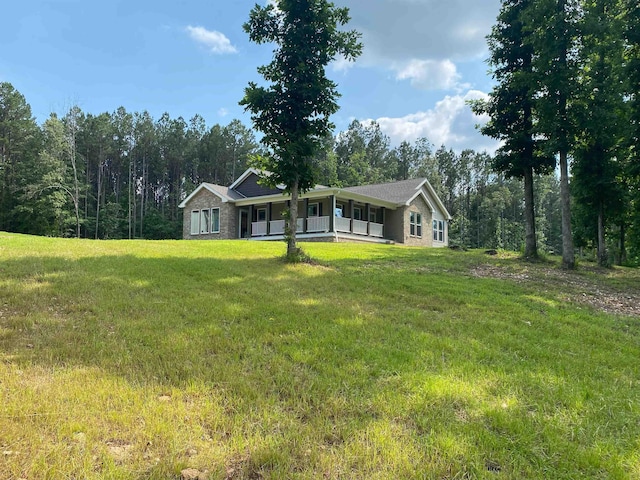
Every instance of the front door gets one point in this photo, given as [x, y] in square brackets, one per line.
[244, 223]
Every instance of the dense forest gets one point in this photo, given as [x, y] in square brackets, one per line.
[122, 175]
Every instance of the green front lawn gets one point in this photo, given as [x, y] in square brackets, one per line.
[139, 359]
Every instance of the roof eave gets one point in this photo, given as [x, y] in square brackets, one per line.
[317, 193]
[221, 196]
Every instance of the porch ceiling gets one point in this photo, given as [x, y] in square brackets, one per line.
[319, 193]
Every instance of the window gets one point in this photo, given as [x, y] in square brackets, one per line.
[261, 215]
[215, 220]
[415, 224]
[339, 210]
[312, 210]
[195, 222]
[204, 221]
[438, 230]
[373, 215]
[357, 213]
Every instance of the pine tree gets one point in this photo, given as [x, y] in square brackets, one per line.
[511, 107]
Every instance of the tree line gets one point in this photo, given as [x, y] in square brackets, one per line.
[122, 175]
[568, 91]
[112, 175]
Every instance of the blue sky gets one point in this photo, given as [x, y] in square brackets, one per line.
[422, 59]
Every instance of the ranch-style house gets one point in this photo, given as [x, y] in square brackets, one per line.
[407, 212]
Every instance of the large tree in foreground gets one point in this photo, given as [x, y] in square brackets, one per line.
[602, 123]
[293, 111]
[556, 41]
[632, 42]
[511, 108]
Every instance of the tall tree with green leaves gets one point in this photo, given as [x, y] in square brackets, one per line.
[556, 41]
[293, 111]
[47, 193]
[631, 33]
[20, 142]
[600, 120]
[511, 107]
[71, 122]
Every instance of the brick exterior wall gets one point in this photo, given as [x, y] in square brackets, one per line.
[426, 239]
[228, 217]
[398, 226]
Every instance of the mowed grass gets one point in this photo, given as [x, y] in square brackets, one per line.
[139, 359]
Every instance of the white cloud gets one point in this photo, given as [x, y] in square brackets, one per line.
[215, 41]
[223, 112]
[451, 123]
[430, 74]
[423, 40]
[341, 64]
[404, 29]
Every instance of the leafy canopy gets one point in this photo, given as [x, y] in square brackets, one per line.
[293, 111]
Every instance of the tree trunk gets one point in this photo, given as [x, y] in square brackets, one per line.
[530, 243]
[292, 247]
[131, 227]
[143, 193]
[98, 198]
[568, 255]
[623, 248]
[71, 140]
[603, 259]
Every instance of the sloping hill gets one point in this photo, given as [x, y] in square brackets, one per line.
[136, 360]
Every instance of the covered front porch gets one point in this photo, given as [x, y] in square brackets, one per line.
[320, 217]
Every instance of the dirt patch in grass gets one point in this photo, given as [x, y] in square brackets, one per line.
[575, 287]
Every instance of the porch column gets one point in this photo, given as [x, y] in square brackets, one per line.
[383, 215]
[332, 217]
[305, 208]
[367, 210]
[250, 221]
[351, 214]
[269, 218]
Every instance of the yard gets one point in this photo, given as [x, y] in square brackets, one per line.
[141, 359]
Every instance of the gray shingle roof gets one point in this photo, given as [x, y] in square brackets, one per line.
[225, 191]
[397, 192]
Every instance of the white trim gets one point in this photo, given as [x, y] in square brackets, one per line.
[372, 210]
[261, 209]
[314, 204]
[243, 177]
[193, 232]
[415, 224]
[246, 173]
[211, 215]
[433, 194]
[437, 231]
[424, 197]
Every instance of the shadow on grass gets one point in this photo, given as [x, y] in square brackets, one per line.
[468, 375]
